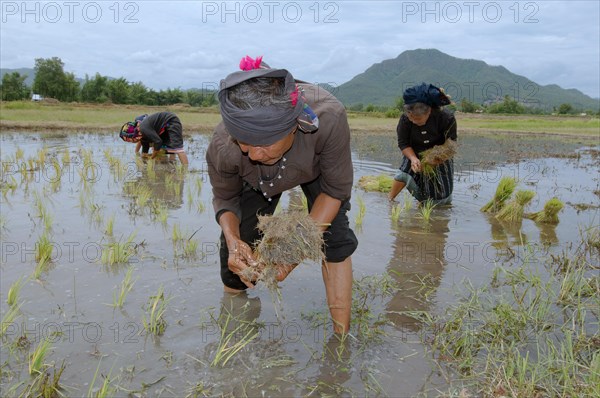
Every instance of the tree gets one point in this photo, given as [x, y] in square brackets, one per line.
[95, 90]
[14, 87]
[138, 93]
[507, 106]
[50, 78]
[565, 109]
[468, 106]
[71, 88]
[399, 104]
[118, 90]
[173, 96]
[370, 108]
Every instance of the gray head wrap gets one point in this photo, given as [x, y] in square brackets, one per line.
[261, 125]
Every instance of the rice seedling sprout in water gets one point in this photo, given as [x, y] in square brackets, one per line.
[176, 236]
[505, 189]
[13, 292]
[38, 356]
[43, 254]
[156, 308]
[190, 248]
[124, 289]
[425, 209]
[110, 223]
[143, 195]
[408, 202]
[232, 339]
[162, 214]
[105, 390]
[9, 317]
[118, 252]
[396, 212]
[362, 210]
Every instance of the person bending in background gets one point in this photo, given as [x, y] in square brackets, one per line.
[423, 125]
[162, 130]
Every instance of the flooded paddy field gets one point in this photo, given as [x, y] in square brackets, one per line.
[113, 271]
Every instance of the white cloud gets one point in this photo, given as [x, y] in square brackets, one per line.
[180, 43]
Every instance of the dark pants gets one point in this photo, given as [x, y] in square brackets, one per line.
[340, 241]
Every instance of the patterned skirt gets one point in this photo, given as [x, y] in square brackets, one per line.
[437, 185]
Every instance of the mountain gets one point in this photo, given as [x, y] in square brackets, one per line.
[474, 80]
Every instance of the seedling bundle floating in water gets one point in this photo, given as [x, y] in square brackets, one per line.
[504, 191]
[549, 214]
[513, 210]
[288, 239]
[380, 183]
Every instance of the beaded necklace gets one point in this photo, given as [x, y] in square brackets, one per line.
[270, 181]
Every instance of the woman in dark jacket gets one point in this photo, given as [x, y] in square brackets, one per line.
[424, 125]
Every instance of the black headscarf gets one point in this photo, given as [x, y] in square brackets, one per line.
[426, 94]
[260, 125]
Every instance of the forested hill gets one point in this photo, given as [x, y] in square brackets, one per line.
[474, 80]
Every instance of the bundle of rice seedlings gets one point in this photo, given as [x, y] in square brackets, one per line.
[437, 155]
[513, 210]
[380, 183]
[550, 212]
[505, 189]
[288, 239]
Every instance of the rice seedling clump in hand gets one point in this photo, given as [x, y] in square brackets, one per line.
[288, 239]
[437, 155]
[505, 189]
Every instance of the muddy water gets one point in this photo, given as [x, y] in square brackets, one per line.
[294, 353]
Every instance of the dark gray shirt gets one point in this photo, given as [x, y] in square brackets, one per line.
[325, 153]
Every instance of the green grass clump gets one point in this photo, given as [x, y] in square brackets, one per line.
[513, 210]
[549, 214]
[380, 183]
[505, 189]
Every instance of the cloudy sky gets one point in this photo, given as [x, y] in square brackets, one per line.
[196, 43]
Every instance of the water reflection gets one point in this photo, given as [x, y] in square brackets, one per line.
[417, 264]
[155, 182]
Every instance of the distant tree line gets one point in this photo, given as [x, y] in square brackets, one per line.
[51, 81]
[507, 106]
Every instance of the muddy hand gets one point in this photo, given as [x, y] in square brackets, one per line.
[240, 258]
